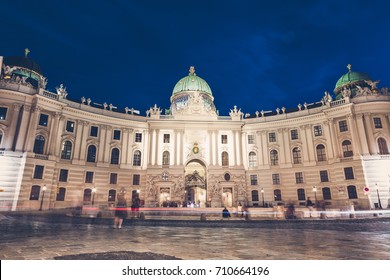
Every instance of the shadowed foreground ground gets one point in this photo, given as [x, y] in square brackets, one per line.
[121, 255]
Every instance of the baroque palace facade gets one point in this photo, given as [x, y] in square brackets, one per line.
[57, 153]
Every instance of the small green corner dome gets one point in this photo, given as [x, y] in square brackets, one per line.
[350, 78]
[192, 82]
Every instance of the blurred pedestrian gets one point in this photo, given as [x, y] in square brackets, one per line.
[120, 213]
[225, 213]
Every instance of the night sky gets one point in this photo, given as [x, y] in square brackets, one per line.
[258, 55]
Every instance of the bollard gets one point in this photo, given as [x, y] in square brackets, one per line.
[352, 216]
[203, 217]
[323, 216]
[142, 216]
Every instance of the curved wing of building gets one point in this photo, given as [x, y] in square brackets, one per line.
[59, 153]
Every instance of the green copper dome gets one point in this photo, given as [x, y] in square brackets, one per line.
[350, 78]
[191, 83]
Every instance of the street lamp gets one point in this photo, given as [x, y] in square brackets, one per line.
[43, 195]
[379, 199]
[315, 193]
[93, 195]
[262, 196]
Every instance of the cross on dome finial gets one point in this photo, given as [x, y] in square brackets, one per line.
[349, 66]
[26, 52]
[192, 70]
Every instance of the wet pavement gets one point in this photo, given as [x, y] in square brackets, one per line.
[30, 238]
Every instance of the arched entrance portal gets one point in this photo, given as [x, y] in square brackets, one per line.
[195, 184]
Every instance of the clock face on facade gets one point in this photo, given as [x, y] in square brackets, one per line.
[195, 149]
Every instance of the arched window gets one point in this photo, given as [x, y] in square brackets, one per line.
[111, 195]
[225, 159]
[66, 151]
[274, 157]
[35, 192]
[87, 195]
[382, 145]
[301, 194]
[165, 158]
[39, 144]
[321, 155]
[297, 157]
[115, 156]
[278, 195]
[137, 158]
[252, 159]
[326, 193]
[352, 193]
[61, 194]
[91, 154]
[1, 137]
[347, 148]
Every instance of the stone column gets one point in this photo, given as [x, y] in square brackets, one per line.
[362, 134]
[158, 154]
[79, 135]
[153, 148]
[129, 144]
[181, 157]
[305, 144]
[210, 146]
[106, 156]
[21, 134]
[244, 145]
[102, 143]
[32, 127]
[10, 138]
[58, 138]
[260, 156]
[265, 147]
[330, 145]
[238, 148]
[84, 137]
[286, 145]
[281, 151]
[54, 129]
[145, 152]
[355, 138]
[336, 144]
[124, 140]
[370, 134]
[214, 147]
[310, 142]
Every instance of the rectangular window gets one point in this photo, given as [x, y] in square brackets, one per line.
[63, 175]
[251, 139]
[299, 177]
[69, 126]
[138, 137]
[61, 194]
[294, 134]
[377, 123]
[348, 172]
[343, 126]
[43, 120]
[94, 131]
[317, 130]
[117, 134]
[272, 137]
[224, 139]
[89, 177]
[275, 179]
[167, 138]
[3, 113]
[113, 178]
[136, 179]
[324, 176]
[38, 172]
[253, 180]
